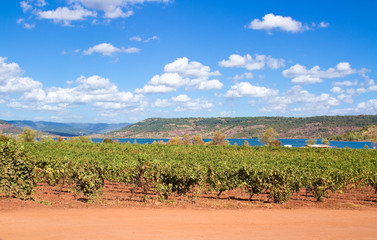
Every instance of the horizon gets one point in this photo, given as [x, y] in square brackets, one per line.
[96, 61]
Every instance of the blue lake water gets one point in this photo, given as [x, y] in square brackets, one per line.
[252, 142]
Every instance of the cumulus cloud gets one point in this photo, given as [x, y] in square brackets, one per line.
[78, 10]
[194, 105]
[369, 106]
[301, 75]
[181, 98]
[162, 103]
[246, 75]
[25, 24]
[250, 63]
[114, 8]
[95, 90]
[245, 89]
[65, 15]
[182, 73]
[297, 95]
[12, 81]
[107, 49]
[271, 22]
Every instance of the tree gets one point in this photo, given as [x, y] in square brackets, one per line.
[269, 136]
[246, 143]
[311, 141]
[325, 141]
[197, 140]
[28, 135]
[219, 138]
[60, 139]
[187, 140]
[175, 141]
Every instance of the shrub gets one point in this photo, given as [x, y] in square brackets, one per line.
[219, 139]
[108, 140]
[28, 135]
[4, 138]
[197, 140]
[17, 176]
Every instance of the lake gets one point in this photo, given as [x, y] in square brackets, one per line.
[252, 142]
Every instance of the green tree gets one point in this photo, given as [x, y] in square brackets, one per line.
[269, 136]
[187, 140]
[325, 141]
[28, 135]
[219, 138]
[311, 141]
[197, 140]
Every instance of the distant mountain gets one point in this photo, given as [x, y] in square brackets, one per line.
[68, 129]
[246, 127]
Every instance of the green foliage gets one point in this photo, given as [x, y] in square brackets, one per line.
[17, 176]
[219, 139]
[46, 139]
[4, 138]
[81, 139]
[175, 141]
[28, 135]
[188, 169]
[197, 140]
[311, 141]
[325, 141]
[246, 143]
[269, 137]
[108, 140]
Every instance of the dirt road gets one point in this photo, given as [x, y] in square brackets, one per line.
[151, 223]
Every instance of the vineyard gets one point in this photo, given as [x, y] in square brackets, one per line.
[165, 171]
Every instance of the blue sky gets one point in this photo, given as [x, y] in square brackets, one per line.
[128, 60]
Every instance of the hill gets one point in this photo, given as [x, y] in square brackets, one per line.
[8, 129]
[68, 129]
[246, 127]
[368, 133]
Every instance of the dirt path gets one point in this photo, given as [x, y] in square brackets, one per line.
[176, 224]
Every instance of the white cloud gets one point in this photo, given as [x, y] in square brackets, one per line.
[297, 95]
[162, 103]
[139, 39]
[346, 83]
[11, 80]
[209, 85]
[26, 6]
[113, 8]
[370, 106]
[25, 24]
[147, 89]
[246, 75]
[106, 49]
[188, 68]
[182, 73]
[245, 89]
[271, 21]
[250, 63]
[65, 15]
[300, 75]
[95, 90]
[194, 105]
[136, 39]
[181, 98]
[336, 90]
[323, 24]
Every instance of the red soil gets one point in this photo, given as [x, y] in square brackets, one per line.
[120, 214]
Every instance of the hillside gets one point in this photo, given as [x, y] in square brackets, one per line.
[8, 129]
[68, 129]
[368, 133]
[246, 127]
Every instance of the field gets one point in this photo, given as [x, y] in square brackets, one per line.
[99, 191]
[166, 173]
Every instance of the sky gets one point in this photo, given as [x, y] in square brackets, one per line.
[128, 60]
